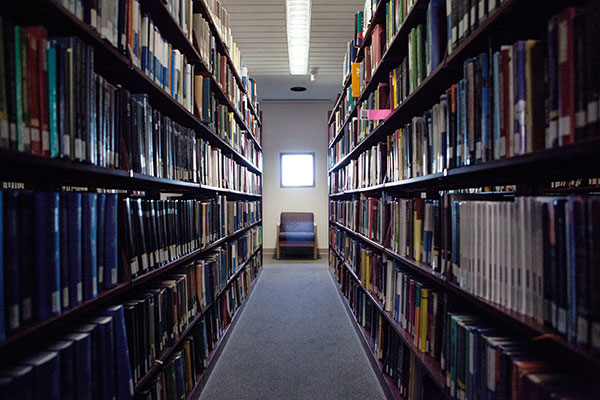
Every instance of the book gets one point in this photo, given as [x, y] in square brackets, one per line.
[47, 260]
[89, 231]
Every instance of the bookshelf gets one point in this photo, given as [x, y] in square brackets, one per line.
[32, 172]
[353, 185]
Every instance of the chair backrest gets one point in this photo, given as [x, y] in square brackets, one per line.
[297, 222]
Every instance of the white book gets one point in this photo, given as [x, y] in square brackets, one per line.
[389, 292]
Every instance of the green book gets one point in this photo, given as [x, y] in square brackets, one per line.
[413, 59]
[52, 99]
[25, 126]
[18, 84]
[420, 54]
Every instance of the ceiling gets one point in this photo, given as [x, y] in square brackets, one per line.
[259, 30]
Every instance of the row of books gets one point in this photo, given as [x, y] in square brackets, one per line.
[157, 316]
[397, 360]
[416, 307]
[369, 169]
[497, 110]
[426, 45]
[534, 256]
[183, 13]
[410, 228]
[218, 170]
[160, 231]
[102, 124]
[222, 121]
[362, 215]
[183, 369]
[89, 361]
[205, 43]
[134, 33]
[484, 360]
[413, 230]
[70, 256]
[463, 17]
[529, 255]
[479, 358]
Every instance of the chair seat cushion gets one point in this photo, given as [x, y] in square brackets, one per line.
[297, 236]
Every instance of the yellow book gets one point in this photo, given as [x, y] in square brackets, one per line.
[188, 371]
[367, 272]
[423, 325]
[394, 89]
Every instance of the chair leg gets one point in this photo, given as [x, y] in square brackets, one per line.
[315, 250]
[278, 250]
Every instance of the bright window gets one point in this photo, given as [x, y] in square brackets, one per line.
[297, 169]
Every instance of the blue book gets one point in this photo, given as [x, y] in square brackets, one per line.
[64, 250]
[459, 124]
[11, 292]
[18, 383]
[46, 375]
[100, 236]
[83, 365]
[124, 379]
[496, 106]
[47, 251]
[2, 315]
[106, 358]
[435, 19]
[94, 332]
[89, 226]
[173, 77]
[150, 62]
[66, 354]
[179, 379]
[74, 246]
[111, 240]
[520, 97]
[144, 45]
[26, 259]
[486, 143]
[53, 97]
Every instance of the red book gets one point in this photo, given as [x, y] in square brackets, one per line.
[377, 44]
[383, 94]
[33, 86]
[566, 77]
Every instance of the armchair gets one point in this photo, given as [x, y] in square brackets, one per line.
[297, 229]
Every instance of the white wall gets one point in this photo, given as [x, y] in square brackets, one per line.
[294, 127]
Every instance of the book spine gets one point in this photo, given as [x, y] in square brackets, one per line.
[89, 228]
[47, 263]
[52, 98]
[64, 250]
[565, 74]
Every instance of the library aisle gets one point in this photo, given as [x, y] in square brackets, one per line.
[293, 340]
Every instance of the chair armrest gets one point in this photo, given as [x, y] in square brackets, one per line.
[278, 230]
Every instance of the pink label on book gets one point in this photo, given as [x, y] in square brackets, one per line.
[379, 114]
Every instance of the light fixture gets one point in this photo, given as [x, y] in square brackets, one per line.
[297, 13]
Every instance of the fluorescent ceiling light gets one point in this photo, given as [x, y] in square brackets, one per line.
[297, 13]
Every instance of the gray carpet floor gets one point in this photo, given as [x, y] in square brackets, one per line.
[293, 340]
